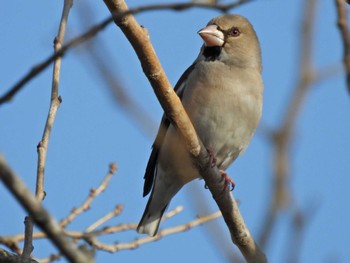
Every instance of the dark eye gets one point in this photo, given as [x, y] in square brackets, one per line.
[234, 32]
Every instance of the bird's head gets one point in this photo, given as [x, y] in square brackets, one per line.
[235, 37]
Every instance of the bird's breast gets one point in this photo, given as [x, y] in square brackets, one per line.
[224, 105]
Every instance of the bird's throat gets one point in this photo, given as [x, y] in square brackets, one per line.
[211, 53]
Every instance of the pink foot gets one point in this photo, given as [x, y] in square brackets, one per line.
[228, 180]
[212, 161]
[212, 158]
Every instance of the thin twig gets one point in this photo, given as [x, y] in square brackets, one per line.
[55, 102]
[40, 215]
[165, 232]
[174, 110]
[38, 68]
[93, 194]
[345, 34]
[42, 147]
[115, 212]
[28, 238]
[91, 234]
[12, 241]
[172, 213]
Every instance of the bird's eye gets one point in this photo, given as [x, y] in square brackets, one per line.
[234, 32]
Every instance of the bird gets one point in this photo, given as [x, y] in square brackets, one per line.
[222, 93]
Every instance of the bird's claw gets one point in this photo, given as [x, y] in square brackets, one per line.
[228, 181]
[212, 158]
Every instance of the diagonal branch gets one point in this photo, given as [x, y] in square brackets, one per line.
[40, 215]
[175, 112]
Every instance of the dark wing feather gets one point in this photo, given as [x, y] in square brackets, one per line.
[152, 162]
[164, 125]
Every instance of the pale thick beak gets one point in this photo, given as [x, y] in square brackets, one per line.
[212, 36]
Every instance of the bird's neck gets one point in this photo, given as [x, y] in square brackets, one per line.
[218, 54]
[211, 53]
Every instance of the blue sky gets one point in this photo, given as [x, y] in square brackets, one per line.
[91, 130]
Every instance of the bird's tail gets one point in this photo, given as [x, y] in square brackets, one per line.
[150, 220]
[158, 202]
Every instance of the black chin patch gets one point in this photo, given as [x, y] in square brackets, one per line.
[211, 53]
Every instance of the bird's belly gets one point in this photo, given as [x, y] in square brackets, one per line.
[225, 124]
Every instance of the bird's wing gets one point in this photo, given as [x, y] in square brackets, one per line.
[164, 125]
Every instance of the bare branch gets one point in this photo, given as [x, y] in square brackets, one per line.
[216, 232]
[91, 233]
[172, 213]
[174, 110]
[115, 212]
[28, 239]
[345, 34]
[40, 215]
[91, 236]
[138, 242]
[93, 194]
[37, 69]
[55, 103]
[43, 144]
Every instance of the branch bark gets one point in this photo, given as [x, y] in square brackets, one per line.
[40, 216]
[174, 110]
[55, 102]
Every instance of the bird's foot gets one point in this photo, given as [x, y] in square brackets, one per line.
[212, 158]
[228, 181]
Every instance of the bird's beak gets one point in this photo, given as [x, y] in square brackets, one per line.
[212, 36]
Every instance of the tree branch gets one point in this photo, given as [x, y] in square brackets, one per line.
[40, 216]
[42, 147]
[55, 102]
[144, 240]
[175, 112]
[94, 192]
[28, 238]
